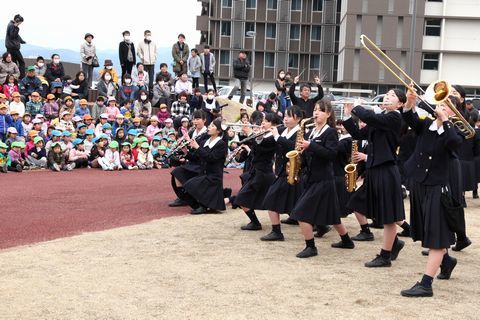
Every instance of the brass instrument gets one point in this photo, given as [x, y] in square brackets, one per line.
[351, 173]
[436, 92]
[368, 103]
[294, 162]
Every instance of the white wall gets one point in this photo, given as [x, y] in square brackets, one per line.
[461, 69]
[462, 35]
[462, 8]
[431, 43]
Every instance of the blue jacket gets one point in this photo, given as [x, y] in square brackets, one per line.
[29, 85]
[18, 125]
[5, 122]
[81, 112]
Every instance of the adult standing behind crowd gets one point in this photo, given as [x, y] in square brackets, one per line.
[13, 41]
[180, 52]
[126, 54]
[241, 71]
[87, 53]
[305, 102]
[7, 66]
[208, 67]
[147, 52]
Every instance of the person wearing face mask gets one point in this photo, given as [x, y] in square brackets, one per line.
[128, 92]
[280, 84]
[141, 103]
[55, 71]
[13, 41]
[147, 52]
[87, 53]
[108, 66]
[180, 52]
[209, 105]
[106, 87]
[126, 53]
[40, 67]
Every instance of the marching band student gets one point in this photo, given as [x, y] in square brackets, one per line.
[318, 204]
[437, 139]
[380, 196]
[205, 191]
[281, 196]
[252, 194]
[189, 164]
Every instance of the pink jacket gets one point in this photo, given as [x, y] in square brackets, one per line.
[76, 154]
[112, 113]
[151, 131]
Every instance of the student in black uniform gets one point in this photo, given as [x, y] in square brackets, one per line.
[189, 164]
[318, 204]
[430, 182]
[477, 158]
[380, 197]
[252, 194]
[205, 191]
[282, 196]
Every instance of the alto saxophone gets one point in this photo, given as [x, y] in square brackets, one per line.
[294, 162]
[351, 170]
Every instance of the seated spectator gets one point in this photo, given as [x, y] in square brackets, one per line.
[141, 103]
[161, 93]
[50, 108]
[37, 156]
[168, 128]
[40, 67]
[112, 109]
[111, 160]
[79, 87]
[98, 107]
[108, 66]
[180, 109]
[119, 135]
[55, 71]
[128, 92]
[27, 123]
[81, 130]
[82, 109]
[97, 151]
[55, 136]
[127, 111]
[12, 136]
[196, 100]
[88, 120]
[66, 143]
[106, 87]
[17, 104]
[185, 125]
[65, 122]
[162, 115]
[137, 125]
[30, 83]
[183, 85]
[131, 135]
[126, 157]
[210, 106]
[152, 128]
[34, 104]
[89, 135]
[144, 159]
[68, 105]
[7, 67]
[120, 123]
[78, 155]
[140, 76]
[56, 159]
[10, 86]
[160, 159]
[4, 158]
[17, 163]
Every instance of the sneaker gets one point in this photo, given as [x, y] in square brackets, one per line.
[70, 166]
[4, 168]
[396, 249]
[363, 236]
[273, 236]
[461, 244]
[251, 226]
[417, 291]
[343, 245]
[378, 262]
[446, 272]
[307, 252]
[56, 167]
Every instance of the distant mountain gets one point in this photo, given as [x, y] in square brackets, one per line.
[33, 51]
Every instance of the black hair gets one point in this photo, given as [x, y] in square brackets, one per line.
[125, 32]
[273, 119]
[127, 76]
[280, 71]
[100, 98]
[5, 55]
[138, 64]
[194, 50]
[218, 123]
[260, 103]
[78, 75]
[163, 64]
[305, 85]
[18, 18]
[295, 112]
[55, 54]
[256, 117]
[40, 58]
[272, 95]
[462, 107]
[326, 106]
[199, 114]
[146, 31]
[181, 35]
[402, 97]
[206, 46]
[181, 74]
[140, 94]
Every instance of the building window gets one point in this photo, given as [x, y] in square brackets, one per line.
[224, 57]
[296, 5]
[294, 32]
[317, 5]
[434, 0]
[227, 3]
[251, 4]
[226, 28]
[249, 26]
[272, 4]
[271, 30]
[430, 61]
[269, 59]
[293, 60]
[433, 27]
[316, 32]
[314, 61]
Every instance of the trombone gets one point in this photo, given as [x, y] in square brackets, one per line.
[368, 103]
[437, 92]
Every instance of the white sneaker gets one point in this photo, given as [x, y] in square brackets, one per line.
[71, 166]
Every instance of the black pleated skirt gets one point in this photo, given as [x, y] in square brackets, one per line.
[468, 175]
[281, 196]
[427, 217]
[318, 204]
[186, 172]
[252, 194]
[477, 169]
[343, 196]
[207, 191]
[455, 180]
[380, 196]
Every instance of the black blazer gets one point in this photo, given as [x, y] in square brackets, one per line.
[317, 159]
[123, 53]
[263, 153]
[429, 162]
[194, 161]
[283, 146]
[382, 132]
[212, 160]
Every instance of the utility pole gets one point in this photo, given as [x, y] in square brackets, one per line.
[411, 60]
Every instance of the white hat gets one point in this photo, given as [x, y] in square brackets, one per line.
[154, 118]
[77, 118]
[63, 113]
[184, 119]
[36, 120]
[12, 130]
[39, 115]
[168, 120]
[120, 116]
[104, 116]
[112, 98]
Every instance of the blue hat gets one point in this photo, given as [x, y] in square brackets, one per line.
[90, 131]
[104, 136]
[66, 133]
[157, 138]
[107, 126]
[81, 124]
[132, 132]
[95, 139]
[56, 133]
[77, 141]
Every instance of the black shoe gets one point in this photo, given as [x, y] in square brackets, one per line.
[475, 194]
[375, 225]
[425, 252]
[462, 244]
[446, 272]
[273, 236]
[396, 249]
[343, 245]
[251, 226]
[322, 230]
[289, 221]
[178, 203]
[378, 262]
[199, 210]
[213, 211]
[363, 236]
[307, 252]
[232, 201]
[417, 291]
[227, 193]
[404, 233]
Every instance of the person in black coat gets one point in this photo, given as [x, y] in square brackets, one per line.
[437, 139]
[126, 54]
[13, 42]
[55, 71]
[305, 102]
[241, 71]
[318, 204]
[252, 194]
[380, 196]
[205, 191]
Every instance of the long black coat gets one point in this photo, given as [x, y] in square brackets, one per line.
[123, 53]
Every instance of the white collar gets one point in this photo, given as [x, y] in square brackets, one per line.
[314, 134]
[211, 143]
[210, 105]
[197, 133]
[288, 134]
[344, 136]
[434, 127]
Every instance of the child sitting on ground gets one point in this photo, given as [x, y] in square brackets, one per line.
[98, 151]
[111, 160]
[4, 158]
[17, 162]
[152, 128]
[145, 159]
[37, 156]
[160, 159]
[56, 159]
[126, 157]
[89, 135]
[78, 155]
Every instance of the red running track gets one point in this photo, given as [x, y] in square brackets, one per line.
[43, 205]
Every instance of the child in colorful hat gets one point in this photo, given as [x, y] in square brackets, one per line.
[78, 155]
[145, 159]
[56, 159]
[17, 163]
[126, 157]
[4, 158]
[111, 160]
[37, 156]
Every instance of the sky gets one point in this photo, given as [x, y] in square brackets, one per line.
[106, 20]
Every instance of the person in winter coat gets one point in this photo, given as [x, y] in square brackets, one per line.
[17, 104]
[98, 107]
[163, 115]
[37, 156]
[128, 92]
[147, 52]
[140, 76]
[30, 83]
[4, 158]
[7, 66]
[17, 162]
[145, 158]
[194, 65]
[241, 71]
[126, 157]
[13, 41]
[17, 124]
[108, 66]
[208, 67]
[79, 86]
[78, 155]
[87, 53]
[55, 71]
[180, 52]
[56, 159]
[141, 103]
[106, 86]
[10, 87]
[126, 53]
[50, 108]
[5, 121]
